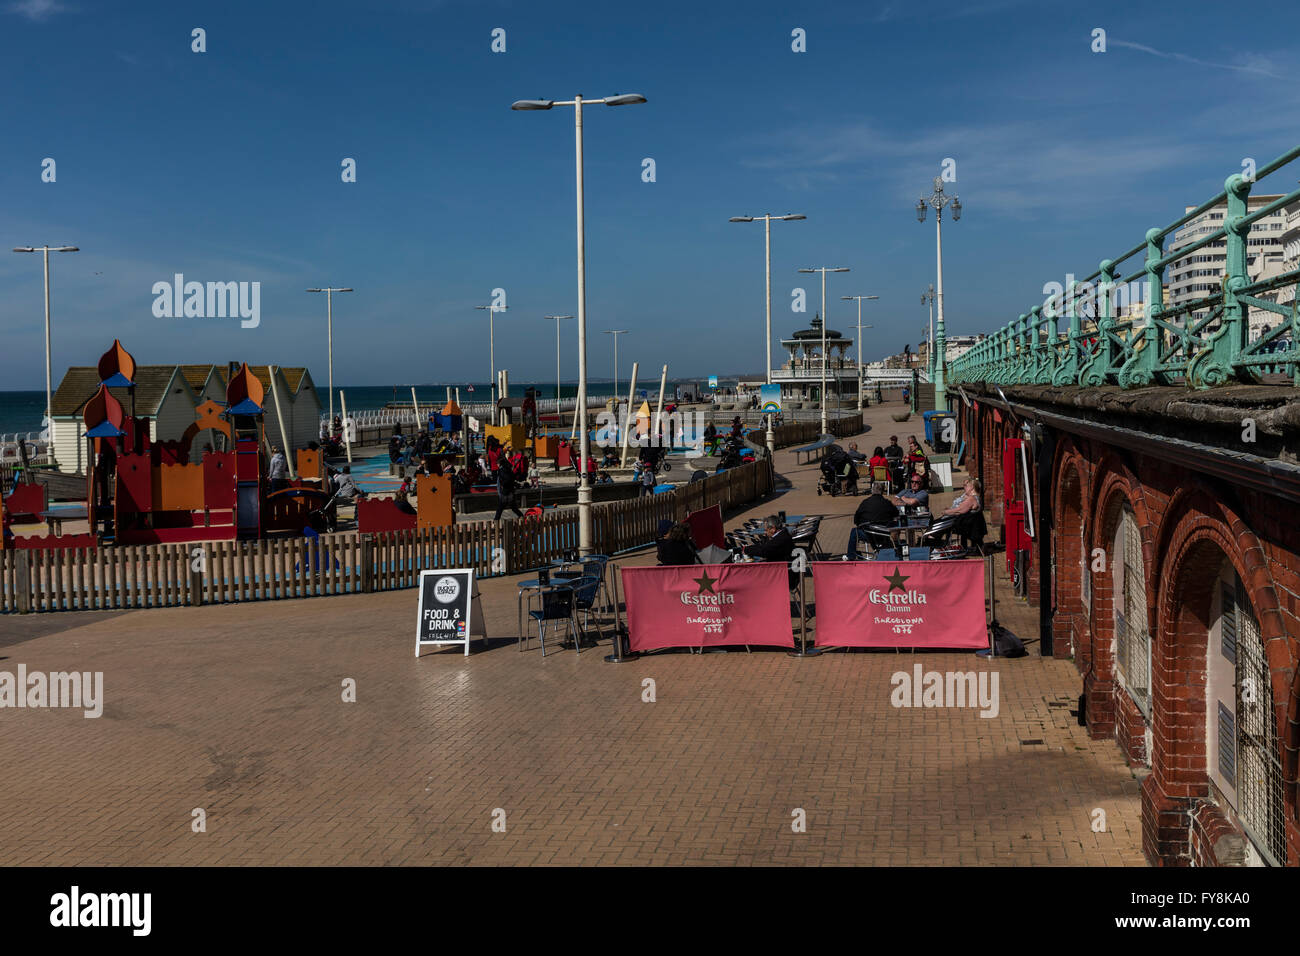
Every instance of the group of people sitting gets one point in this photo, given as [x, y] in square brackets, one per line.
[407, 450]
[840, 466]
[675, 544]
[879, 509]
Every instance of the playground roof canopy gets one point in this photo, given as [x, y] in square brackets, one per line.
[153, 383]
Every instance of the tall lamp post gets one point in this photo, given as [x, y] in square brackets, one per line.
[937, 201]
[584, 446]
[927, 298]
[767, 230]
[823, 270]
[329, 338]
[616, 333]
[860, 328]
[49, 391]
[556, 319]
[492, 311]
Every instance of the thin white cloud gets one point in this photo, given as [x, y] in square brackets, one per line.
[1258, 66]
[37, 10]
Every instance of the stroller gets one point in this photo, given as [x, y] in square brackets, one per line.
[839, 474]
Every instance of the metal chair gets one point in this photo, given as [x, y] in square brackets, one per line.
[595, 564]
[557, 606]
[585, 590]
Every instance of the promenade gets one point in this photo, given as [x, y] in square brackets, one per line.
[237, 710]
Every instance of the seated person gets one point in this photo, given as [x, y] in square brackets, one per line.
[344, 487]
[915, 456]
[854, 453]
[914, 495]
[675, 545]
[878, 458]
[894, 450]
[777, 545]
[966, 507]
[610, 460]
[874, 509]
[604, 479]
[402, 501]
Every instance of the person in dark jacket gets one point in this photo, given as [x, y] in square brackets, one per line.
[675, 545]
[777, 545]
[874, 509]
[506, 492]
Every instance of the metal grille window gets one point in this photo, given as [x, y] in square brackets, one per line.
[1132, 641]
[1259, 769]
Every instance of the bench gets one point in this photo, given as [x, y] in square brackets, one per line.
[815, 449]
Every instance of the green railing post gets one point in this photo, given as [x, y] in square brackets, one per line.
[1213, 364]
[1143, 366]
[1068, 371]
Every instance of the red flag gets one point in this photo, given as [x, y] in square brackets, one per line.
[900, 603]
[705, 605]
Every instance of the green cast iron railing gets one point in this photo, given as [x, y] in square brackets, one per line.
[1201, 343]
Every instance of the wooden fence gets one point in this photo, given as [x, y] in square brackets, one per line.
[802, 433]
[219, 572]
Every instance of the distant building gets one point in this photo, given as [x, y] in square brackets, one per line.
[954, 346]
[1201, 273]
[168, 394]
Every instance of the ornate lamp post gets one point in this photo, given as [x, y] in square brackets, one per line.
[937, 201]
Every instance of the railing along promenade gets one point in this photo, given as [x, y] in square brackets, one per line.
[1200, 343]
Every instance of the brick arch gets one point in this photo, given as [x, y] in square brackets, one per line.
[1198, 533]
[1069, 491]
[1110, 710]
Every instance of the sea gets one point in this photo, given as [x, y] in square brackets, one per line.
[22, 411]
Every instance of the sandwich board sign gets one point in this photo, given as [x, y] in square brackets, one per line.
[450, 611]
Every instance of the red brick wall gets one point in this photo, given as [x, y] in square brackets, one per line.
[1189, 525]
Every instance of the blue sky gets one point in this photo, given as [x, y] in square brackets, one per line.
[225, 166]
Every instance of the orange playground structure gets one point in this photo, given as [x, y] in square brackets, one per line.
[141, 491]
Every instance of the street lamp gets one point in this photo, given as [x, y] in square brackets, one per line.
[49, 391]
[860, 328]
[556, 319]
[823, 270]
[937, 201]
[329, 335]
[616, 333]
[767, 229]
[927, 298]
[584, 447]
[492, 311]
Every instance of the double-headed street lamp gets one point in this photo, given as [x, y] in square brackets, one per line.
[556, 319]
[616, 333]
[492, 311]
[927, 298]
[823, 270]
[584, 447]
[329, 336]
[936, 202]
[49, 391]
[860, 328]
[767, 230]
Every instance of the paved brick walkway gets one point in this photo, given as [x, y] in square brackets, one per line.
[238, 710]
